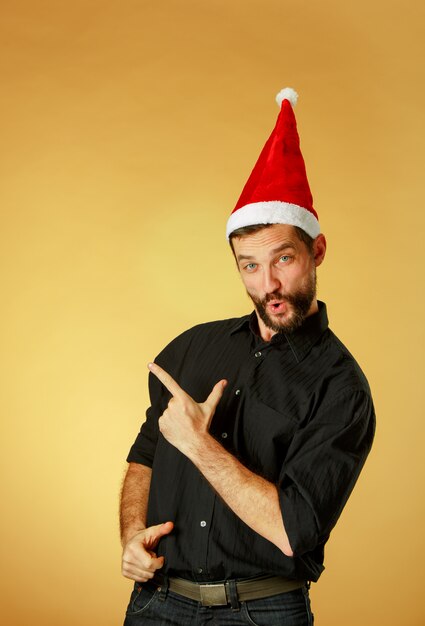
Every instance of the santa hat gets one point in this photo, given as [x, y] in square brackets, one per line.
[277, 191]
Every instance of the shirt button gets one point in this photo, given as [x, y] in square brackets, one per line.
[224, 435]
[203, 524]
[238, 392]
[257, 354]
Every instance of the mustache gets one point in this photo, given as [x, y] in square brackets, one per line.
[273, 296]
[276, 295]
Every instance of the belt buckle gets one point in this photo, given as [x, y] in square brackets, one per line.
[213, 595]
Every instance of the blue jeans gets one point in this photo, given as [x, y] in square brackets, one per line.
[149, 605]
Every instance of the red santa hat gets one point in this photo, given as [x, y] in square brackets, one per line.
[277, 191]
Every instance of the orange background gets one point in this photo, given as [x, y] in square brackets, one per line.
[127, 132]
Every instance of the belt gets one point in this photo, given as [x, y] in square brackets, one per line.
[219, 594]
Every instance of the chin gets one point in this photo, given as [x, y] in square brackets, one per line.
[284, 323]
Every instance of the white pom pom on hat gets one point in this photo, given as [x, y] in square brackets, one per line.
[287, 94]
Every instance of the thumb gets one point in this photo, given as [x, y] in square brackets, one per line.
[166, 528]
[216, 394]
[154, 533]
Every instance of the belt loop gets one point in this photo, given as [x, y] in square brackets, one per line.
[163, 589]
[233, 595]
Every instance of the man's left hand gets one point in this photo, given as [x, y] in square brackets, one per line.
[185, 422]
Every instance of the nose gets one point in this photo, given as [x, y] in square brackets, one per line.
[271, 282]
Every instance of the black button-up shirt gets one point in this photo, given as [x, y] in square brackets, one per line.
[297, 410]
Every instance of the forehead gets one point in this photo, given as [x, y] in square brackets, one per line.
[266, 240]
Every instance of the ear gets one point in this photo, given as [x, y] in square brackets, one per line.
[319, 249]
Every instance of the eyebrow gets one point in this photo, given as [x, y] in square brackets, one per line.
[284, 246]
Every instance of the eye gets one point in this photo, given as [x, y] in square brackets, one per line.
[250, 267]
[284, 258]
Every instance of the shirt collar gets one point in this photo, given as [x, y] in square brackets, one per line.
[300, 340]
[241, 322]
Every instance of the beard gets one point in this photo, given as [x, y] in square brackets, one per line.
[299, 303]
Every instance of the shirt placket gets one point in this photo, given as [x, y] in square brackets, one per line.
[202, 535]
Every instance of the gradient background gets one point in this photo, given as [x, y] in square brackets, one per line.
[127, 131]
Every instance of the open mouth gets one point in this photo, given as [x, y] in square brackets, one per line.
[277, 307]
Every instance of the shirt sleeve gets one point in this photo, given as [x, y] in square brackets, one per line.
[321, 468]
[143, 449]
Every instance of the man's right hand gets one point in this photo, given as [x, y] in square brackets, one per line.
[139, 561]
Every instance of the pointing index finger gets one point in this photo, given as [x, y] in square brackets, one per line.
[167, 380]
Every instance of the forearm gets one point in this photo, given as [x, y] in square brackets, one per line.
[134, 500]
[251, 497]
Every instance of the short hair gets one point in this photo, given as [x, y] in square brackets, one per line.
[254, 228]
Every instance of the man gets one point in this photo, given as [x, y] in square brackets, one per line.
[257, 431]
